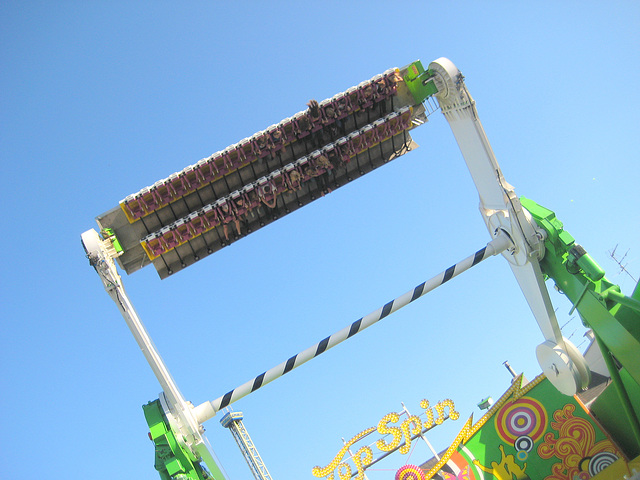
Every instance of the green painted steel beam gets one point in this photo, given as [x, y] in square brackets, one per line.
[581, 279]
[109, 234]
[172, 461]
[420, 82]
[614, 318]
[627, 426]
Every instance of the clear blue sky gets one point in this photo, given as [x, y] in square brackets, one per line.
[99, 99]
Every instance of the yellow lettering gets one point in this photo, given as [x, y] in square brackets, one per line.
[425, 405]
[361, 462]
[328, 470]
[440, 406]
[409, 432]
[344, 471]
[409, 428]
[453, 414]
[383, 429]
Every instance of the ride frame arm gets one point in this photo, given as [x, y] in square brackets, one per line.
[613, 317]
[177, 435]
[501, 211]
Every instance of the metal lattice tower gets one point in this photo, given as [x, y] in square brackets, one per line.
[233, 421]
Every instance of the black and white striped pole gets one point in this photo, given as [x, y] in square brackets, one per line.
[208, 409]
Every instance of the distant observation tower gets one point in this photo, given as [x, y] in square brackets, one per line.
[233, 421]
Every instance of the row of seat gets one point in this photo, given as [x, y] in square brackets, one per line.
[265, 190]
[262, 144]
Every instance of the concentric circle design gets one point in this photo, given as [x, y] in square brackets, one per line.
[600, 461]
[410, 472]
[522, 455]
[523, 443]
[524, 417]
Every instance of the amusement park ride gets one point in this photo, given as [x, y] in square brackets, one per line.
[205, 207]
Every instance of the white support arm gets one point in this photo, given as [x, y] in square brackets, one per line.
[501, 211]
[177, 409]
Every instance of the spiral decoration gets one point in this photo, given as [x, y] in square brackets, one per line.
[600, 461]
[410, 472]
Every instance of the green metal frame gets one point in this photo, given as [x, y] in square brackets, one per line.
[613, 317]
[109, 234]
[172, 461]
[420, 82]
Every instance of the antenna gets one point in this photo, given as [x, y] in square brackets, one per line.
[623, 268]
[511, 370]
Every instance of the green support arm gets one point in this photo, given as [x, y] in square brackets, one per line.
[613, 316]
[172, 461]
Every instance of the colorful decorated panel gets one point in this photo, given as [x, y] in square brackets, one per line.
[533, 432]
[208, 205]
